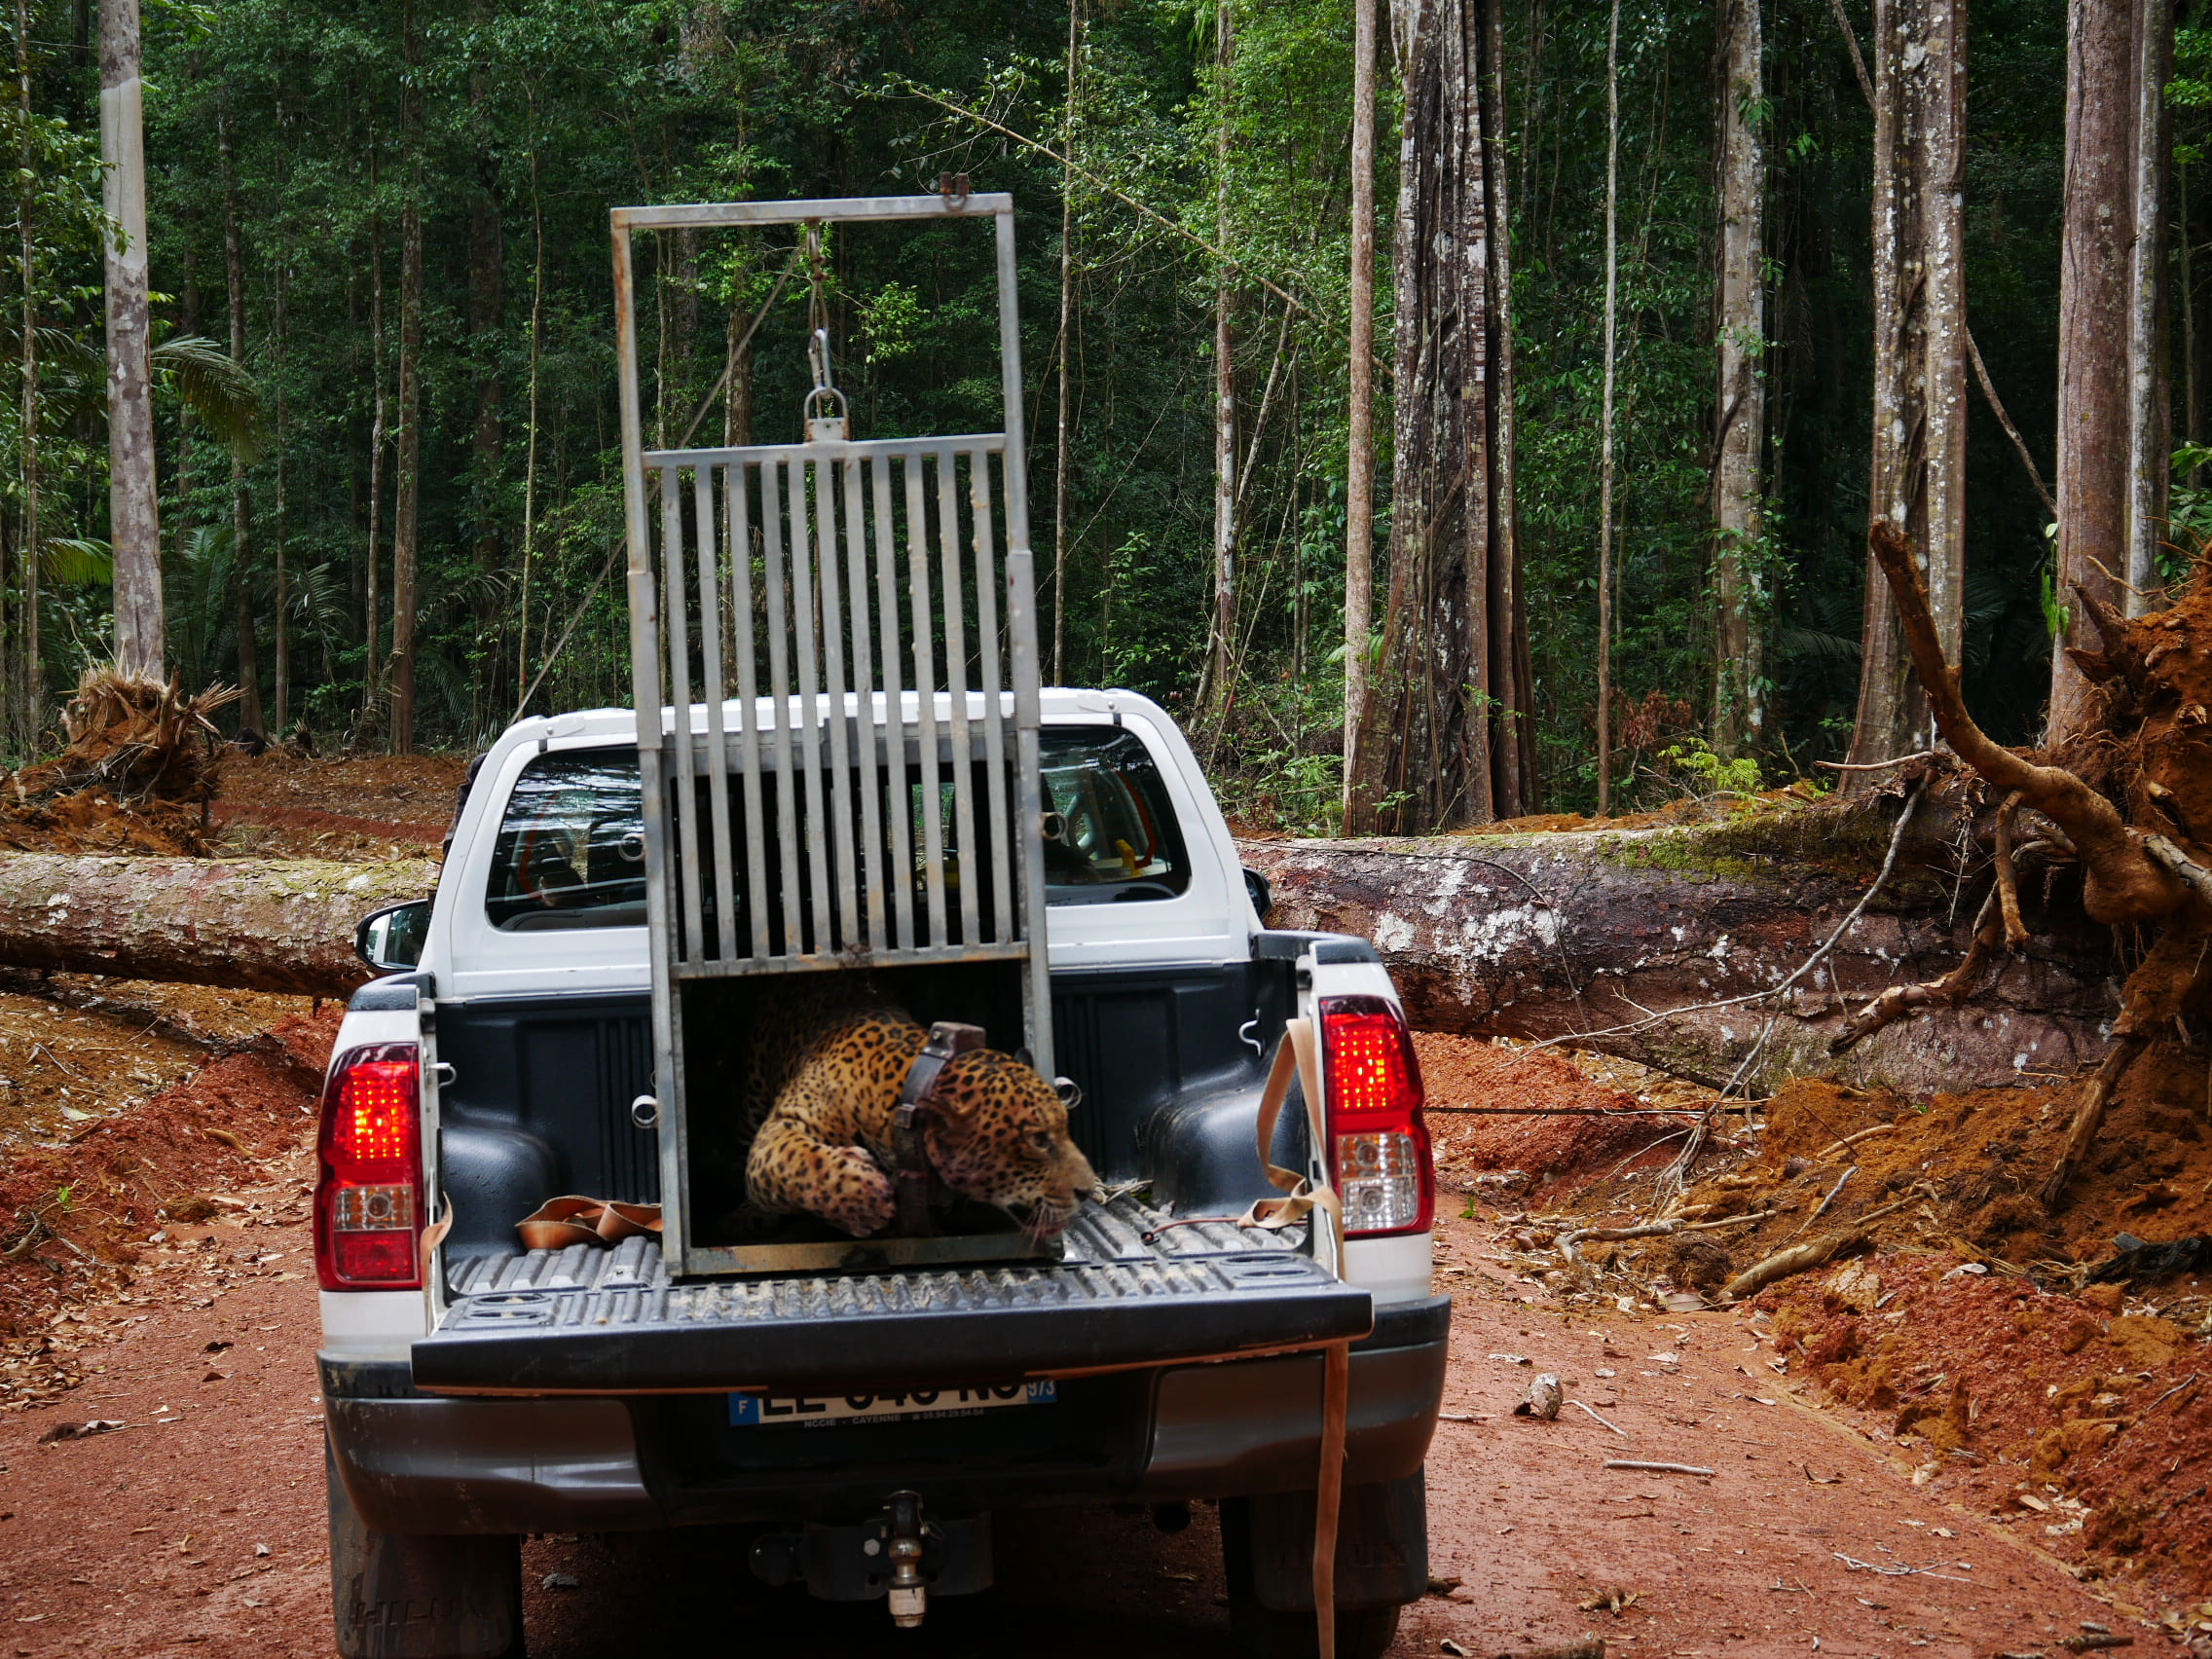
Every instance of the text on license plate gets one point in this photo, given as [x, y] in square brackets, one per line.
[758, 1410]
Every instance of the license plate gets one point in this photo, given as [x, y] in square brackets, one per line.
[773, 1410]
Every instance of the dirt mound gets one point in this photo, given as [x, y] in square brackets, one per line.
[1473, 1082]
[1967, 1167]
[356, 806]
[73, 1216]
[142, 764]
[2086, 1420]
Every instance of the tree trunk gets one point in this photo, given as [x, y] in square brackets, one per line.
[2096, 288]
[19, 652]
[1918, 477]
[1223, 377]
[134, 529]
[372, 622]
[1739, 699]
[1359, 421]
[730, 426]
[1605, 412]
[2150, 394]
[1443, 738]
[406, 517]
[1066, 348]
[1586, 935]
[255, 925]
[284, 619]
[487, 322]
[242, 502]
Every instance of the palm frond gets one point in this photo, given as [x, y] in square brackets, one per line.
[1814, 645]
[216, 388]
[76, 561]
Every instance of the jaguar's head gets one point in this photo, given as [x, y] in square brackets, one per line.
[998, 1133]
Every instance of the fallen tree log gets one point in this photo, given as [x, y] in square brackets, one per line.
[246, 924]
[1654, 944]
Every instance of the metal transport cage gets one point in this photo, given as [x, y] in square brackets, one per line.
[833, 646]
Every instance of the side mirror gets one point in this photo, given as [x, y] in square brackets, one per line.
[391, 939]
[1263, 896]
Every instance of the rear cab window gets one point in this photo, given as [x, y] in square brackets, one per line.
[570, 848]
[1110, 834]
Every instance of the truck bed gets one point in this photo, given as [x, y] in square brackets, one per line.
[591, 1320]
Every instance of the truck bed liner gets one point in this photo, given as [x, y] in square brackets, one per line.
[587, 1320]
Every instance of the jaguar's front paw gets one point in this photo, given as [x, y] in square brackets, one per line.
[859, 1198]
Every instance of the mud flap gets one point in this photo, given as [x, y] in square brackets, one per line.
[1381, 1546]
[398, 1596]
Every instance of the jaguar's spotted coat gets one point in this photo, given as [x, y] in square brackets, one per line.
[829, 1080]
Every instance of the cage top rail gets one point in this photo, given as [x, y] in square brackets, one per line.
[697, 215]
[832, 449]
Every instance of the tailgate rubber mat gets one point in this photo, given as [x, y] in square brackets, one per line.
[593, 1320]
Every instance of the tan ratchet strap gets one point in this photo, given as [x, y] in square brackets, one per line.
[558, 1223]
[1296, 1056]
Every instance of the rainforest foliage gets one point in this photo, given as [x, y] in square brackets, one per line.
[305, 136]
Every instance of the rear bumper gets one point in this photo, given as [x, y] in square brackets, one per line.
[414, 1462]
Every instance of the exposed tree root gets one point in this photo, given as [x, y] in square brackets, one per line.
[1952, 988]
[2007, 879]
[2152, 750]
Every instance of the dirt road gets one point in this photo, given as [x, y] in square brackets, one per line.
[197, 1529]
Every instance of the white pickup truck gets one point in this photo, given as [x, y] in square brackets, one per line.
[839, 760]
[507, 1391]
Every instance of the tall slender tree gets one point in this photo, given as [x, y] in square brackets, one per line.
[2101, 289]
[2149, 387]
[19, 648]
[407, 513]
[244, 623]
[1359, 419]
[1445, 739]
[1605, 412]
[1918, 469]
[1223, 371]
[1066, 349]
[1739, 683]
[135, 528]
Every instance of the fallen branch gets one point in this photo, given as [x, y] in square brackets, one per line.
[1567, 1241]
[1656, 1468]
[1594, 1418]
[1822, 1208]
[1797, 1259]
[1899, 1570]
[1850, 1141]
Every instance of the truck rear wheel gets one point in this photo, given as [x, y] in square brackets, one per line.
[1266, 1547]
[403, 1596]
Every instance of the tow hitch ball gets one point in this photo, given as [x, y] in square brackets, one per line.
[901, 1552]
[902, 1546]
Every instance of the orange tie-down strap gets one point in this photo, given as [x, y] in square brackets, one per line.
[1297, 1055]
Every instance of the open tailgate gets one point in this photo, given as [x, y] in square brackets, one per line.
[592, 1320]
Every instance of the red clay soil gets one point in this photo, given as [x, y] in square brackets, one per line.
[2081, 1425]
[75, 1214]
[1975, 1161]
[143, 1541]
[1533, 1157]
[280, 804]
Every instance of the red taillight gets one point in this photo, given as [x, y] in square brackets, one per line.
[368, 1199]
[1378, 1141]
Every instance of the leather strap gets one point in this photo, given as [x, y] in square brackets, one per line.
[910, 1173]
